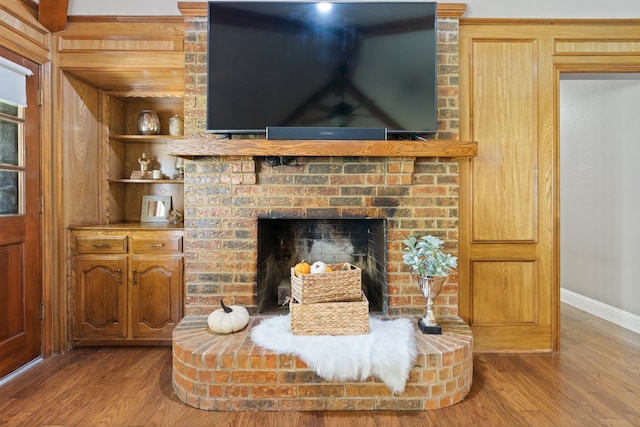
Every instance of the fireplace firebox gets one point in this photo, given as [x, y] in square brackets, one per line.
[283, 242]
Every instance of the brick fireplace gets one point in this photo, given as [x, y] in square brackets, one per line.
[225, 196]
[225, 199]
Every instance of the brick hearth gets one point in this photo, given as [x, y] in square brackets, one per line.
[231, 373]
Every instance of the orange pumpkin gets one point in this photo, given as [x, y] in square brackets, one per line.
[302, 268]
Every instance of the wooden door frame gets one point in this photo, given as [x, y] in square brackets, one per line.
[46, 260]
[25, 37]
[50, 262]
[574, 64]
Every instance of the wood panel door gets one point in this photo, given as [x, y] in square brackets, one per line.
[507, 287]
[101, 301]
[20, 239]
[155, 296]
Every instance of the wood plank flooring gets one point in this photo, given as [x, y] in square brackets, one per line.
[594, 381]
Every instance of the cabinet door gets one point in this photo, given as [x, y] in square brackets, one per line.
[155, 296]
[101, 297]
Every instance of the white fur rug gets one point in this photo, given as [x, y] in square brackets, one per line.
[388, 352]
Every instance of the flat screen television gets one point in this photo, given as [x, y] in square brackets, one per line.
[308, 65]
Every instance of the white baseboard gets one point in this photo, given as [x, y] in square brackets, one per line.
[612, 314]
[19, 371]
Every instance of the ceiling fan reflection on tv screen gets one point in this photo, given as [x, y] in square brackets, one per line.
[344, 70]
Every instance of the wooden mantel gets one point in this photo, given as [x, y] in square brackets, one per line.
[211, 145]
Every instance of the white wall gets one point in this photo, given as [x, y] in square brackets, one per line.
[475, 8]
[600, 199]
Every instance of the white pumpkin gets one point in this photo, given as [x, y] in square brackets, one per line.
[228, 319]
[318, 267]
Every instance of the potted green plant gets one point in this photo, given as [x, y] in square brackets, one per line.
[431, 266]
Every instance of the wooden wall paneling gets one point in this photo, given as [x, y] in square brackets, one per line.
[506, 232]
[601, 46]
[104, 29]
[133, 200]
[70, 43]
[21, 32]
[81, 138]
[504, 292]
[116, 211]
[121, 61]
[114, 122]
[504, 118]
[144, 53]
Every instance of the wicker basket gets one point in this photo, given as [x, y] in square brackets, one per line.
[330, 318]
[338, 285]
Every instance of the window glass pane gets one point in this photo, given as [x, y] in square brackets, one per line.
[9, 193]
[8, 142]
[9, 109]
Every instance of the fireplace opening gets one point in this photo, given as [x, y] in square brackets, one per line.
[283, 242]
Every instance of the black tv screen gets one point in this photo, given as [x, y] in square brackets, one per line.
[308, 64]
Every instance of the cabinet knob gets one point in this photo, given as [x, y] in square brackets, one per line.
[119, 280]
[135, 276]
[100, 245]
[155, 245]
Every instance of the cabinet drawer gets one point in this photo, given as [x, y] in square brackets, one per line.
[101, 245]
[156, 244]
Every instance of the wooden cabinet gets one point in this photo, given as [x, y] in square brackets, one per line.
[126, 277]
[127, 285]
[104, 73]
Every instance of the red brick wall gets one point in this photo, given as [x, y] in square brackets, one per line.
[224, 196]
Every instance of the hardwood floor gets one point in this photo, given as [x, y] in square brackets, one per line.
[595, 380]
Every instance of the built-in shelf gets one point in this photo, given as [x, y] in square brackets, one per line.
[207, 145]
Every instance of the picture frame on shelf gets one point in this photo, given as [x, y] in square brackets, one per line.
[155, 209]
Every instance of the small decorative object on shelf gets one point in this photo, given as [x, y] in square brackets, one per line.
[144, 162]
[155, 208]
[175, 217]
[176, 125]
[148, 123]
[179, 166]
[143, 173]
[432, 267]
